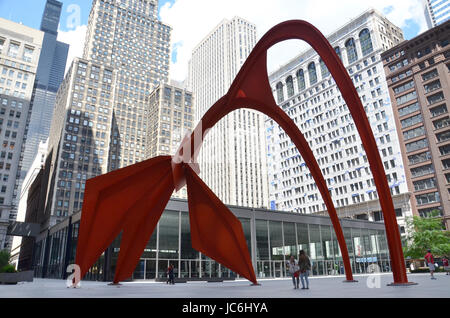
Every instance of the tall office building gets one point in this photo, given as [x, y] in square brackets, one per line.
[79, 136]
[436, 12]
[417, 73]
[171, 118]
[305, 89]
[232, 160]
[126, 35]
[102, 109]
[20, 47]
[49, 75]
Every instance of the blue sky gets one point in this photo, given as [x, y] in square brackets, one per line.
[14, 10]
[191, 20]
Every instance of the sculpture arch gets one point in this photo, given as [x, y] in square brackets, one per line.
[135, 208]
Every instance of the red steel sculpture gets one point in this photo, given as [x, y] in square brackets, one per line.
[132, 199]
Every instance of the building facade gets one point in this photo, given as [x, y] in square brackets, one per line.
[49, 75]
[305, 90]
[418, 77]
[20, 48]
[272, 236]
[27, 185]
[436, 12]
[127, 36]
[102, 107]
[231, 159]
[80, 135]
[171, 118]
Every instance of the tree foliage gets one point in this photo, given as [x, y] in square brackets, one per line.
[425, 234]
[4, 258]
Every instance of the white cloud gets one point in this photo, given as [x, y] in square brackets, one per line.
[192, 20]
[75, 38]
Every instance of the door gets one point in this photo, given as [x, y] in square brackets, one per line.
[139, 272]
[277, 267]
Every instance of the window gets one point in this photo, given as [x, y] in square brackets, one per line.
[424, 184]
[446, 164]
[13, 49]
[418, 158]
[427, 198]
[323, 69]
[301, 80]
[441, 137]
[432, 86]
[433, 99]
[404, 87]
[438, 110]
[422, 170]
[366, 42]
[280, 96]
[27, 54]
[429, 75]
[352, 55]
[406, 98]
[408, 109]
[416, 132]
[444, 150]
[290, 86]
[411, 121]
[416, 145]
[312, 73]
[441, 123]
[338, 52]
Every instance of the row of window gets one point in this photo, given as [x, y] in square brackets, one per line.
[352, 56]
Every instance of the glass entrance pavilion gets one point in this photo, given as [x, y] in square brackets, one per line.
[272, 236]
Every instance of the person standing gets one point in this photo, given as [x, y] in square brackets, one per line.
[294, 271]
[171, 275]
[430, 261]
[446, 267]
[168, 275]
[304, 265]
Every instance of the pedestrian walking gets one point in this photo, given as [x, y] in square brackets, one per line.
[171, 275]
[430, 261]
[446, 267]
[168, 275]
[305, 266]
[294, 271]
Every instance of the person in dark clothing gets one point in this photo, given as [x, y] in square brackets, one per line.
[171, 275]
[305, 266]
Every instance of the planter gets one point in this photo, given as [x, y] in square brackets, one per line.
[14, 278]
[9, 278]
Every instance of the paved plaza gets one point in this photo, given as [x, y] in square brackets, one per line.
[320, 287]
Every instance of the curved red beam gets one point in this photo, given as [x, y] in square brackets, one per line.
[252, 82]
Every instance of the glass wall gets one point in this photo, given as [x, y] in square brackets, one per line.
[171, 243]
[262, 249]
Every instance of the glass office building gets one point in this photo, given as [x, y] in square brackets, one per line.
[272, 237]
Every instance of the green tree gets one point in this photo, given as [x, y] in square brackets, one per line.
[425, 234]
[4, 258]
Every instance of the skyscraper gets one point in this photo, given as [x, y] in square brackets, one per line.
[126, 35]
[305, 89]
[171, 118]
[20, 47]
[417, 73]
[49, 75]
[105, 99]
[436, 11]
[232, 160]
[79, 136]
